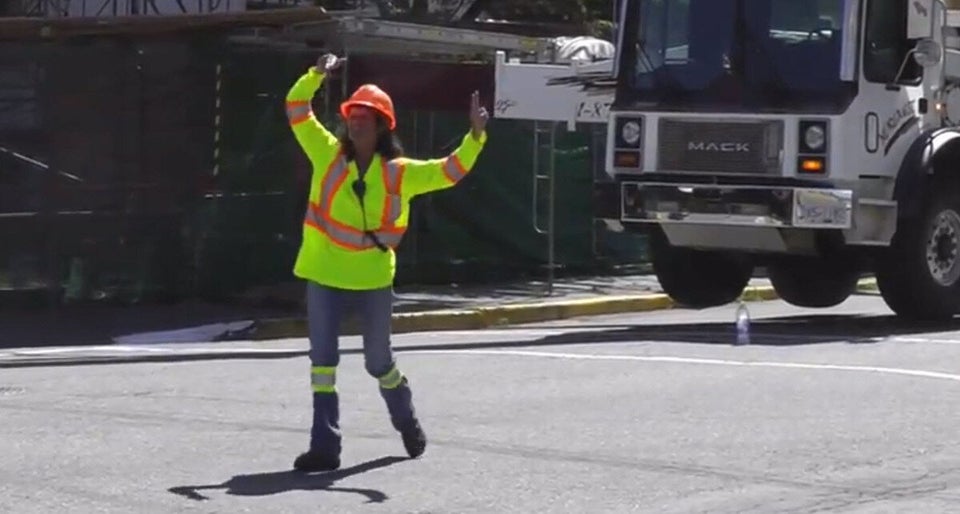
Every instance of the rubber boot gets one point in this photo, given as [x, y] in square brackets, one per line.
[403, 416]
[325, 438]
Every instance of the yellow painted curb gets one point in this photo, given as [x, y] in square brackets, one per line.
[485, 317]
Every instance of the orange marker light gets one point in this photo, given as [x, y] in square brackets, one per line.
[626, 160]
[812, 165]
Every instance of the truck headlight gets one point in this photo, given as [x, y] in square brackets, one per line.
[815, 137]
[813, 145]
[630, 133]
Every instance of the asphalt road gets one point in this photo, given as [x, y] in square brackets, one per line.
[841, 410]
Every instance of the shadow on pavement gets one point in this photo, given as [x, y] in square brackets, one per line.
[783, 331]
[779, 331]
[276, 482]
[100, 324]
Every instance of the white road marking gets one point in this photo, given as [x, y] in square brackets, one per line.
[116, 351]
[924, 340]
[491, 331]
[695, 360]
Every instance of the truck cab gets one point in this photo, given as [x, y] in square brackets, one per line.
[813, 138]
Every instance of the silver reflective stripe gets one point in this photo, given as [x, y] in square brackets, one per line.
[392, 379]
[391, 239]
[393, 180]
[453, 168]
[393, 214]
[318, 379]
[394, 176]
[335, 175]
[298, 111]
[353, 238]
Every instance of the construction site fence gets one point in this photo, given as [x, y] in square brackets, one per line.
[151, 169]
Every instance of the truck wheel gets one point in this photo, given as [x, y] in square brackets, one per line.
[813, 281]
[699, 279]
[919, 274]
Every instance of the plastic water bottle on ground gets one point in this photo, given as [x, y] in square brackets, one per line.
[743, 325]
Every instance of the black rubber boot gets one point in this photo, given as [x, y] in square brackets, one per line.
[313, 460]
[324, 453]
[414, 440]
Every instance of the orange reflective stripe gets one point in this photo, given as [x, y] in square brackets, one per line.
[392, 179]
[320, 217]
[348, 237]
[453, 169]
[393, 176]
[332, 181]
[298, 111]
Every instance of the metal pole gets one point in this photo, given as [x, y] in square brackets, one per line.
[550, 145]
[550, 209]
[536, 176]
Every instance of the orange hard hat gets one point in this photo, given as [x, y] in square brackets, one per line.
[369, 95]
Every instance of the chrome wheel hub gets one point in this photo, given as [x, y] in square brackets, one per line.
[943, 248]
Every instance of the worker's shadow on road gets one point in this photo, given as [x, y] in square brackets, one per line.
[266, 484]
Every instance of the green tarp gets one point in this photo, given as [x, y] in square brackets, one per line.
[482, 229]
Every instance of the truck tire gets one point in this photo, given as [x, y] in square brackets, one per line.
[699, 279]
[919, 274]
[814, 282]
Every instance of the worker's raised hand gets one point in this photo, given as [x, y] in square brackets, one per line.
[328, 62]
[478, 116]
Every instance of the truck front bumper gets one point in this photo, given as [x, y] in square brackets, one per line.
[735, 205]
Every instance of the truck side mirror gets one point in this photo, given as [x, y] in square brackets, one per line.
[927, 53]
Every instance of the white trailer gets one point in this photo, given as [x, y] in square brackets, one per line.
[815, 138]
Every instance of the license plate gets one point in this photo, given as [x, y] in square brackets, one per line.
[822, 208]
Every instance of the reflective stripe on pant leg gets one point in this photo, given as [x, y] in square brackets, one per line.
[323, 379]
[395, 390]
[325, 306]
[375, 309]
[392, 379]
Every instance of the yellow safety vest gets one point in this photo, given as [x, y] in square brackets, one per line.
[335, 251]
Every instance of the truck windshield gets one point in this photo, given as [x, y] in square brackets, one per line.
[734, 55]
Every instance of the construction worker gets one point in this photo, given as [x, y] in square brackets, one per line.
[356, 216]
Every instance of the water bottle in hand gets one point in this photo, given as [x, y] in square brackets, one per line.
[743, 325]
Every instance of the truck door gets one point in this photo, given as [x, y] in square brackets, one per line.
[891, 86]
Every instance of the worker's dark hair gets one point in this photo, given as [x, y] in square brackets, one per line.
[388, 144]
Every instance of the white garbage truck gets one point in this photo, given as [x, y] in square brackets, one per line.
[815, 138]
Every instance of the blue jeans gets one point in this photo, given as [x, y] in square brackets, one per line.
[326, 307]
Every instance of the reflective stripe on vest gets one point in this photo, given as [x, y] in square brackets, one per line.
[392, 179]
[298, 111]
[351, 238]
[453, 169]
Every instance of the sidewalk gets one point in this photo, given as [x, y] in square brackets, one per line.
[476, 307]
[277, 312]
[565, 289]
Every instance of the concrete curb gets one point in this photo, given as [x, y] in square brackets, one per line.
[485, 317]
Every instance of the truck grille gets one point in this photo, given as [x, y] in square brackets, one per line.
[726, 147]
